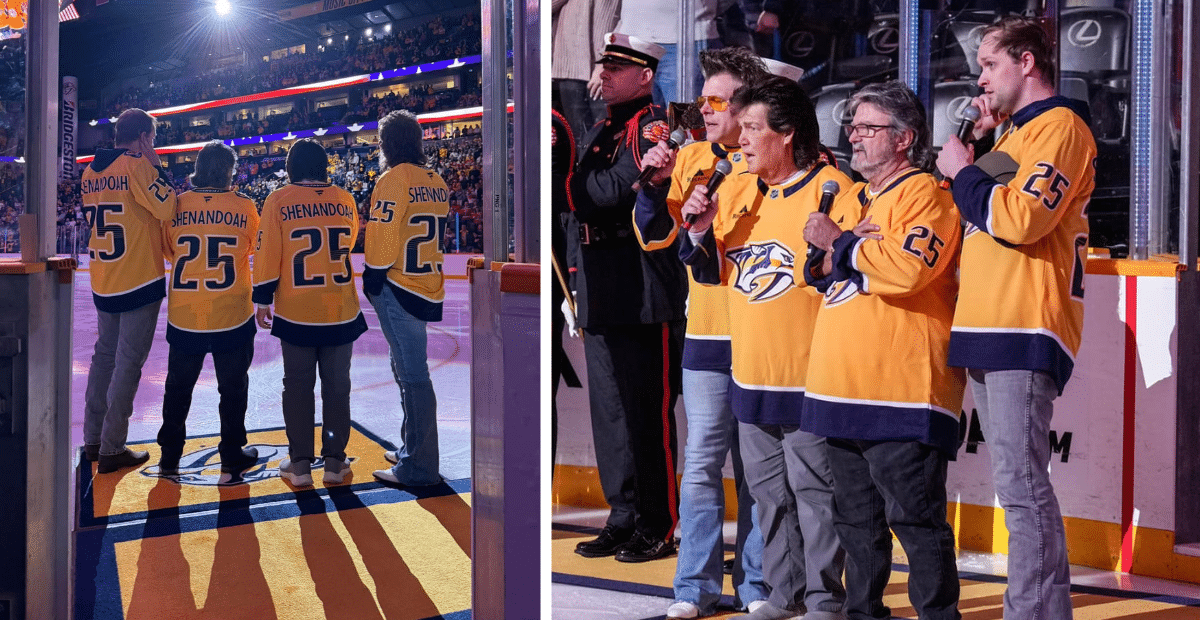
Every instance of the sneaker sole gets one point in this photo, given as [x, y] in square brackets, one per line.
[305, 480]
[332, 478]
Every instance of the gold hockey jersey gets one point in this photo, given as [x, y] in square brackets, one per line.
[302, 264]
[754, 248]
[656, 220]
[405, 236]
[125, 201]
[208, 243]
[1020, 305]
[878, 368]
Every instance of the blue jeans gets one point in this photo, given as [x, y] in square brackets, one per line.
[712, 432]
[122, 346]
[666, 88]
[418, 452]
[1015, 407]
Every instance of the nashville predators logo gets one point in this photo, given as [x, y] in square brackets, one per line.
[774, 193]
[840, 293]
[764, 271]
[736, 158]
[203, 467]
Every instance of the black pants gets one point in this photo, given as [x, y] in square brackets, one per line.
[233, 381]
[634, 378]
[580, 110]
[901, 485]
[300, 368]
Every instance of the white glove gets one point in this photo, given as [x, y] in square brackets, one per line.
[570, 316]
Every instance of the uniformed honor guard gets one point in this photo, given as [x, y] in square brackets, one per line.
[631, 310]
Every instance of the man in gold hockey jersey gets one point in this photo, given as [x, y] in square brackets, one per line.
[1019, 318]
[749, 239]
[879, 389]
[126, 197]
[302, 265]
[403, 281]
[208, 243]
[711, 427]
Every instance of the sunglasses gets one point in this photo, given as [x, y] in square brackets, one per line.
[716, 103]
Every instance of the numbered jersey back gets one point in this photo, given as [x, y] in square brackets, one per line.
[406, 230]
[209, 242]
[304, 243]
[123, 203]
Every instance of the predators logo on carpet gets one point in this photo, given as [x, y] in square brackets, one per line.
[203, 467]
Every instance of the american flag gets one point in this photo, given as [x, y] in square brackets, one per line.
[68, 13]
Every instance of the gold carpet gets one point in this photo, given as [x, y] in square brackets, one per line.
[979, 599]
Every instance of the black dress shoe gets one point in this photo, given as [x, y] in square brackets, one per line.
[606, 544]
[247, 458]
[727, 567]
[642, 548]
[129, 458]
[168, 463]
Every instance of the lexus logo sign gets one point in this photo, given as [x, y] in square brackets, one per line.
[886, 40]
[954, 109]
[801, 43]
[974, 38]
[839, 113]
[1084, 33]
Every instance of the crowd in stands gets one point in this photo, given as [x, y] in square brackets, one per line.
[439, 39]
[418, 101]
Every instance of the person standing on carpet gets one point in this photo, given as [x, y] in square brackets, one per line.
[302, 266]
[208, 243]
[403, 281]
[126, 197]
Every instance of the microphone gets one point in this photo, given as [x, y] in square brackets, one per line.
[970, 117]
[723, 168]
[678, 137]
[829, 190]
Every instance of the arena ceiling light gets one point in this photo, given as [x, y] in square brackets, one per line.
[223, 7]
[367, 32]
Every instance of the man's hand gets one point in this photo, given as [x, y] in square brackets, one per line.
[821, 231]
[954, 156]
[263, 316]
[664, 158]
[989, 119]
[768, 22]
[593, 84]
[702, 208]
[866, 230]
[569, 314]
[146, 143]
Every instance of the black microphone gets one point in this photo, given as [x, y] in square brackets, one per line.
[678, 137]
[970, 116]
[829, 190]
[723, 168]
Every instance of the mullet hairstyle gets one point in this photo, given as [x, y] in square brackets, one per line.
[400, 139]
[131, 124]
[788, 109]
[1017, 35]
[307, 161]
[899, 102]
[739, 62]
[214, 166]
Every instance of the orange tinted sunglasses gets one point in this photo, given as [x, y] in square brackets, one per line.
[716, 103]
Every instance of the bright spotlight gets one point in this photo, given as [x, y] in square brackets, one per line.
[329, 41]
[347, 38]
[223, 7]
[387, 28]
[367, 32]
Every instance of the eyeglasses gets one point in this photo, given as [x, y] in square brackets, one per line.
[864, 130]
[716, 103]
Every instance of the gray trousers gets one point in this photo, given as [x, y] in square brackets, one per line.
[788, 473]
[122, 346]
[300, 368]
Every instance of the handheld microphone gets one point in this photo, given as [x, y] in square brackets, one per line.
[829, 190]
[970, 117]
[723, 168]
[678, 137]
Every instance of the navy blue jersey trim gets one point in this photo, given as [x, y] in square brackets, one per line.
[138, 297]
[318, 335]
[196, 343]
[650, 213]
[423, 309]
[703, 259]
[765, 407]
[972, 193]
[264, 294]
[699, 354]
[880, 423]
[1007, 351]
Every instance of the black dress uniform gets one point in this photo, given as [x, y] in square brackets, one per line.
[631, 310]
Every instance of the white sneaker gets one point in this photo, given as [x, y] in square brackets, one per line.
[298, 473]
[392, 456]
[336, 471]
[386, 475]
[683, 609]
[754, 605]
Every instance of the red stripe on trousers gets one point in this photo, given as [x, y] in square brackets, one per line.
[672, 493]
[1130, 403]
